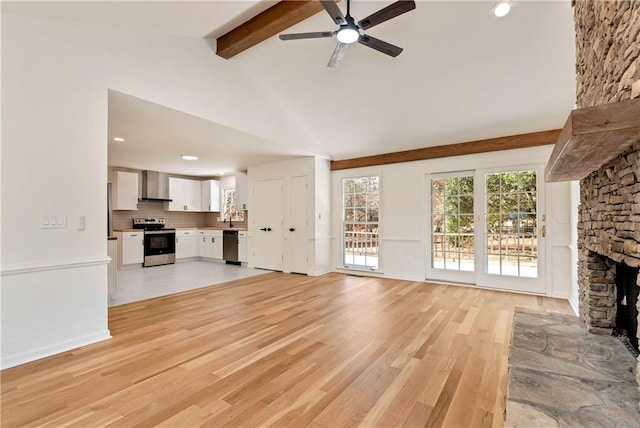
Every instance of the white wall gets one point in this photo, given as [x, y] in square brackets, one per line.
[403, 220]
[322, 218]
[575, 201]
[55, 82]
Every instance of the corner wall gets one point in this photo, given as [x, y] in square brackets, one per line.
[55, 82]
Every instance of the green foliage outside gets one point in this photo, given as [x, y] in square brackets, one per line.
[510, 208]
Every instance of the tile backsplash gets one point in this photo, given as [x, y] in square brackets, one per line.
[178, 219]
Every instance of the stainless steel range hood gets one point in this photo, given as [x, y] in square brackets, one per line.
[152, 188]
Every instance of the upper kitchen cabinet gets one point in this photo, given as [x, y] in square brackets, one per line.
[242, 192]
[211, 195]
[186, 195]
[124, 187]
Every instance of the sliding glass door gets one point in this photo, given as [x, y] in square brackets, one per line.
[484, 227]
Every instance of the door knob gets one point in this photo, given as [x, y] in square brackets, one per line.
[291, 229]
[264, 229]
[268, 229]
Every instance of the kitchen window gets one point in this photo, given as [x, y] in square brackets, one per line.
[229, 209]
[360, 222]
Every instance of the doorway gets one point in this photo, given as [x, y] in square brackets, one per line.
[485, 226]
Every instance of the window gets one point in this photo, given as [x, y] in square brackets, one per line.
[229, 209]
[512, 223]
[361, 206]
[452, 227]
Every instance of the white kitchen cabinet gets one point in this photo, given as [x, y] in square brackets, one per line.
[242, 246]
[242, 192]
[211, 244]
[187, 244]
[130, 248]
[124, 188]
[211, 196]
[186, 195]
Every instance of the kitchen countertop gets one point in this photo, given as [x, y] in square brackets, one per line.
[241, 229]
[112, 238]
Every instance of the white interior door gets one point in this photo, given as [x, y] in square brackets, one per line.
[267, 217]
[297, 232]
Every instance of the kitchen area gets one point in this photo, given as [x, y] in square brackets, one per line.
[169, 233]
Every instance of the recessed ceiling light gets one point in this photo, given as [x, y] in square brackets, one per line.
[221, 173]
[502, 8]
[189, 157]
[120, 139]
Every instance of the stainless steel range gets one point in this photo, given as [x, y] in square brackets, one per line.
[159, 241]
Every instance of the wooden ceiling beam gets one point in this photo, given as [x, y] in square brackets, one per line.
[521, 141]
[272, 21]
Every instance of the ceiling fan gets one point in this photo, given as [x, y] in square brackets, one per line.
[350, 31]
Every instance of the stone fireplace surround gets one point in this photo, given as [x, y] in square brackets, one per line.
[608, 232]
[607, 71]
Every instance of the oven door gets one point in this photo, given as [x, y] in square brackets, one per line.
[159, 247]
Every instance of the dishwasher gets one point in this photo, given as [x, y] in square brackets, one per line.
[230, 247]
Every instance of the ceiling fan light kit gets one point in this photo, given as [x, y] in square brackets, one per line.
[502, 8]
[350, 32]
[348, 35]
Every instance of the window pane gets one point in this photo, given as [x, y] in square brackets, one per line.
[360, 229]
[372, 215]
[466, 185]
[511, 240]
[452, 223]
[492, 183]
[509, 182]
[349, 200]
[527, 202]
[527, 181]
[466, 204]
[348, 214]
[451, 186]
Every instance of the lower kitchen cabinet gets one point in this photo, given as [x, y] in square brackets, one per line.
[187, 244]
[130, 248]
[242, 246]
[210, 242]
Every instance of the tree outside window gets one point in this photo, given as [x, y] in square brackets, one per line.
[361, 204]
[229, 209]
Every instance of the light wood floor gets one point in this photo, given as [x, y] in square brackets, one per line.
[286, 350]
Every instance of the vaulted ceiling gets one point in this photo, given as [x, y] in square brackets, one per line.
[464, 75]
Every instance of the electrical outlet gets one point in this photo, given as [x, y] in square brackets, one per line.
[82, 222]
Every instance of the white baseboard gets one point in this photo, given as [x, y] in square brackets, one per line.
[47, 351]
[574, 306]
[320, 272]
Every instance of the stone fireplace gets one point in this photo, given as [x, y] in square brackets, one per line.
[608, 71]
[608, 233]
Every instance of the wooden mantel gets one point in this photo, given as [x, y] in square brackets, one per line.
[591, 137]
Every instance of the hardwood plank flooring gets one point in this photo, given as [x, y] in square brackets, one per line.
[284, 350]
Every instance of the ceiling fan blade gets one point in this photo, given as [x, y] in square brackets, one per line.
[380, 46]
[338, 53]
[334, 11]
[316, 35]
[391, 11]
